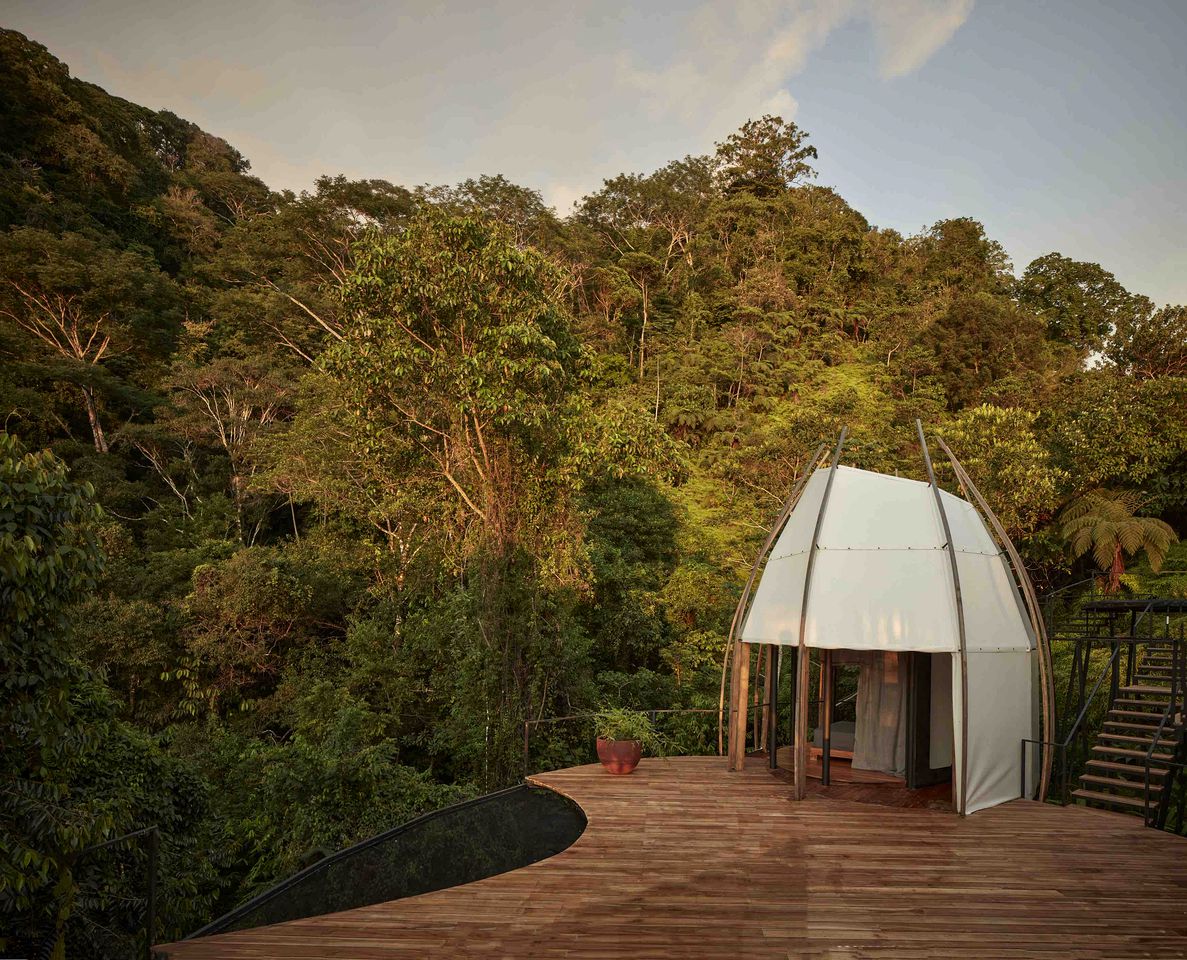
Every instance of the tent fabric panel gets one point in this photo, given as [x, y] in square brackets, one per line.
[992, 615]
[1000, 716]
[869, 511]
[797, 533]
[969, 533]
[774, 615]
[957, 732]
[882, 600]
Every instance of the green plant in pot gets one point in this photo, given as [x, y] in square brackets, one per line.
[622, 736]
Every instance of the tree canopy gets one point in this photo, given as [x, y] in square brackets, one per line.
[309, 500]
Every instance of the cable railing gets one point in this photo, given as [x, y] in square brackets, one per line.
[108, 886]
[684, 743]
[530, 727]
[1063, 747]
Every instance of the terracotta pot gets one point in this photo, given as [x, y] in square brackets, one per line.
[619, 756]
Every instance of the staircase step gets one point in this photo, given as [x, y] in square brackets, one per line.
[1125, 752]
[1152, 704]
[1138, 688]
[1133, 803]
[1135, 769]
[1137, 714]
[1126, 738]
[1091, 781]
[1148, 728]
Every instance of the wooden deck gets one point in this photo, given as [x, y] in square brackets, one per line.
[684, 860]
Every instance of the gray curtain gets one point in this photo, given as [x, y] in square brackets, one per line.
[880, 738]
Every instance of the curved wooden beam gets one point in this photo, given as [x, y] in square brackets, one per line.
[799, 743]
[743, 608]
[1033, 610]
[964, 659]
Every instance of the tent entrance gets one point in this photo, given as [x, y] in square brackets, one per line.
[882, 717]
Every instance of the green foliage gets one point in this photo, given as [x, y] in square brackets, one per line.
[1149, 343]
[339, 764]
[387, 472]
[1002, 450]
[619, 723]
[764, 157]
[1105, 523]
[49, 558]
[1081, 303]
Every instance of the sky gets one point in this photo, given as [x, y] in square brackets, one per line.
[1059, 124]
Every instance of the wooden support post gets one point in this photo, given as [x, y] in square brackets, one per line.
[826, 705]
[731, 708]
[771, 714]
[741, 685]
[800, 747]
[759, 713]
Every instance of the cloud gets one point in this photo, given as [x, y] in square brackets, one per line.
[733, 61]
[908, 32]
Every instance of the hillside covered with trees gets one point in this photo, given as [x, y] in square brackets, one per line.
[308, 501]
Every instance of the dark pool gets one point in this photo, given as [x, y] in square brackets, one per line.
[459, 844]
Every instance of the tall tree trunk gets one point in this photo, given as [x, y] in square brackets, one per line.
[643, 331]
[1116, 569]
[88, 396]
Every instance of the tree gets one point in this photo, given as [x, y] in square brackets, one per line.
[1106, 522]
[230, 403]
[958, 256]
[1149, 344]
[649, 222]
[988, 350]
[1081, 303]
[85, 304]
[520, 209]
[49, 559]
[460, 361]
[764, 157]
[1007, 459]
[460, 352]
[277, 271]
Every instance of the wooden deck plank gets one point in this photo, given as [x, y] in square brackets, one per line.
[682, 859]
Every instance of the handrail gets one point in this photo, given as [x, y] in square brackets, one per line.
[1092, 696]
[529, 725]
[153, 833]
[1149, 759]
[1167, 714]
[1067, 740]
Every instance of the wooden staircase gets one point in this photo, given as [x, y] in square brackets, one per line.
[1115, 774]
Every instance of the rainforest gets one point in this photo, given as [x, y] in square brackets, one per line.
[309, 501]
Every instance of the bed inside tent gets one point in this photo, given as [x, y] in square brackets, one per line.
[895, 594]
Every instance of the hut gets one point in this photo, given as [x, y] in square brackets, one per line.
[927, 599]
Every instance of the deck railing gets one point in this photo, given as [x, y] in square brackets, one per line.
[133, 935]
[1123, 634]
[590, 718]
[458, 844]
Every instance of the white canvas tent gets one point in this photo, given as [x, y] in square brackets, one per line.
[870, 562]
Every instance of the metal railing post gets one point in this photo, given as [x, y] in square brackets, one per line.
[150, 907]
[1022, 792]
